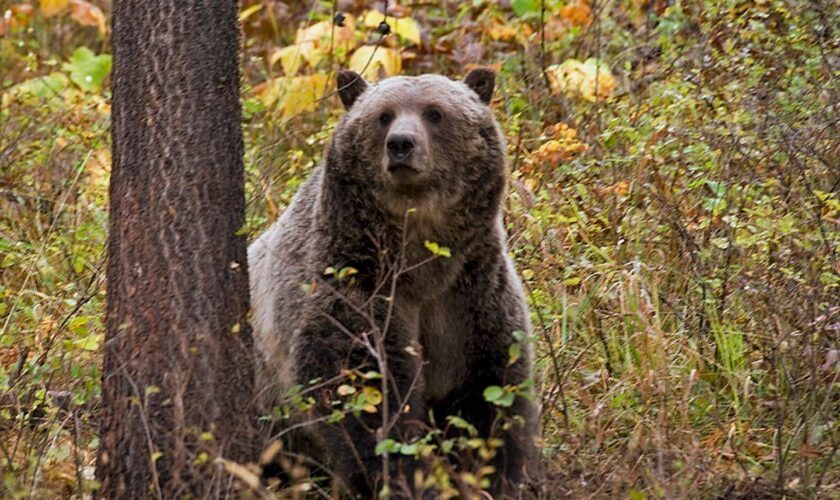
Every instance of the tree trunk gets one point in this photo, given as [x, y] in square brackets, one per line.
[178, 376]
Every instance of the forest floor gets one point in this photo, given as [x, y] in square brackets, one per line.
[674, 210]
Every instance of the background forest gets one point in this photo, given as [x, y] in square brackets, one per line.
[674, 211]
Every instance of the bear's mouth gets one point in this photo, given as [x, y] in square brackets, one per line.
[401, 168]
[403, 173]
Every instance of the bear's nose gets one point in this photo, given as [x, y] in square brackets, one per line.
[400, 147]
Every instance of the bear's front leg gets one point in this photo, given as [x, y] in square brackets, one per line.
[353, 421]
[494, 311]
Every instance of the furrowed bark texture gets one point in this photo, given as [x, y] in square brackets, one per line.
[178, 374]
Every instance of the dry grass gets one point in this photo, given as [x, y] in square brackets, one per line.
[680, 255]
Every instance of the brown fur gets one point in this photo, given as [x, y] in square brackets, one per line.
[371, 209]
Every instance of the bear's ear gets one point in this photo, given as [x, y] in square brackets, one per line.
[350, 87]
[482, 81]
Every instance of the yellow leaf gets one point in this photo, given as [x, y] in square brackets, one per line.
[53, 7]
[372, 395]
[404, 27]
[321, 32]
[408, 29]
[293, 95]
[372, 18]
[290, 58]
[503, 32]
[250, 11]
[590, 79]
[369, 60]
[87, 14]
[313, 43]
[437, 250]
[314, 33]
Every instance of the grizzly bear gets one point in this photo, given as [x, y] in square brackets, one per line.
[392, 259]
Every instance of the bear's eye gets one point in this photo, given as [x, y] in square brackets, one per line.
[433, 115]
[386, 118]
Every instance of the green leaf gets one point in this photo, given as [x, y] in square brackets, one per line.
[42, 87]
[716, 187]
[9, 260]
[514, 353]
[573, 281]
[409, 449]
[493, 393]
[79, 325]
[87, 70]
[522, 7]
[460, 423]
[345, 272]
[388, 445]
[506, 400]
[499, 396]
[89, 343]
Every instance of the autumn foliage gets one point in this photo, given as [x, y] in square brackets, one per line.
[674, 210]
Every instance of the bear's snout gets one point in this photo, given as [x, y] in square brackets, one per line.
[406, 151]
[400, 147]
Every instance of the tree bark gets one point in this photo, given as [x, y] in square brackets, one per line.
[178, 374]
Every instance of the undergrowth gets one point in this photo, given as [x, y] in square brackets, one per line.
[674, 210]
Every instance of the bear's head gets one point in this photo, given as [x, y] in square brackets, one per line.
[420, 142]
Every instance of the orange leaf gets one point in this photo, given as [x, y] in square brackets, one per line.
[21, 13]
[53, 7]
[87, 14]
[576, 14]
